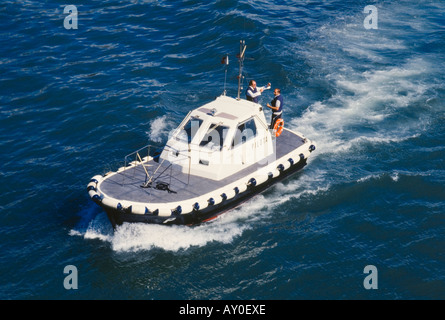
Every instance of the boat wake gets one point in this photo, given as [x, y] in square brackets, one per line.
[132, 237]
[369, 95]
[369, 107]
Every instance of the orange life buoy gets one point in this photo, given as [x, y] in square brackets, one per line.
[278, 127]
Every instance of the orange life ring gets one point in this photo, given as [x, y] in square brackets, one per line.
[278, 127]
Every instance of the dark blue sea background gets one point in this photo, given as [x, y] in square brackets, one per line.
[74, 102]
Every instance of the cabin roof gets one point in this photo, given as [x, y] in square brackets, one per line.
[228, 109]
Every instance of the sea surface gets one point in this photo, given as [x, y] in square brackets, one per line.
[74, 102]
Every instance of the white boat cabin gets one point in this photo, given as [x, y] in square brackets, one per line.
[221, 138]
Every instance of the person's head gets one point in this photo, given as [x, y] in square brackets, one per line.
[277, 92]
[252, 83]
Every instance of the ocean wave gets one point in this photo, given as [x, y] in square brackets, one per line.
[395, 175]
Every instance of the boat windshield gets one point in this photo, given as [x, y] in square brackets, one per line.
[214, 138]
[189, 131]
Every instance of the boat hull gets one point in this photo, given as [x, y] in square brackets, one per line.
[119, 216]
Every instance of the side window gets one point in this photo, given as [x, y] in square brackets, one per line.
[251, 128]
[246, 131]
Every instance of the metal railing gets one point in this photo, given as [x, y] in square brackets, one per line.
[164, 169]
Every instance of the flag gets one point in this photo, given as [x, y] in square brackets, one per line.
[225, 60]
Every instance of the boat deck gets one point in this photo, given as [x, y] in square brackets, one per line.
[126, 185]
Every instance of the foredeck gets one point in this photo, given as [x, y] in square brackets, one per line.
[126, 185]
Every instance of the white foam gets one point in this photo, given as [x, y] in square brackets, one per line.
[368, 177]
[395, 176]
[159, 129]
[224, 229]
[130, 237]
[136, 237]
[179, 56]
[365, 99]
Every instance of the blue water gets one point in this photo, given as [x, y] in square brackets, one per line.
[74, 102]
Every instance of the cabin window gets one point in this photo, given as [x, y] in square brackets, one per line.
[214, 137]
[246, 131]
[189, 131]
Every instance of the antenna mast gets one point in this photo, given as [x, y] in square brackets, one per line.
[242, 50]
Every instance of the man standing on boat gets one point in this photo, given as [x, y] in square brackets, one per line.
[252, 92]
[277, 107]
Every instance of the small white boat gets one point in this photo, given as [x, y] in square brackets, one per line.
[222, 154]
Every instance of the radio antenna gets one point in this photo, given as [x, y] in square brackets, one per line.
[225, 61]
[242, 50]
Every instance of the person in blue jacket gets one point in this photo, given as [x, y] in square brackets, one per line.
[252, 92]
[277, 107]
